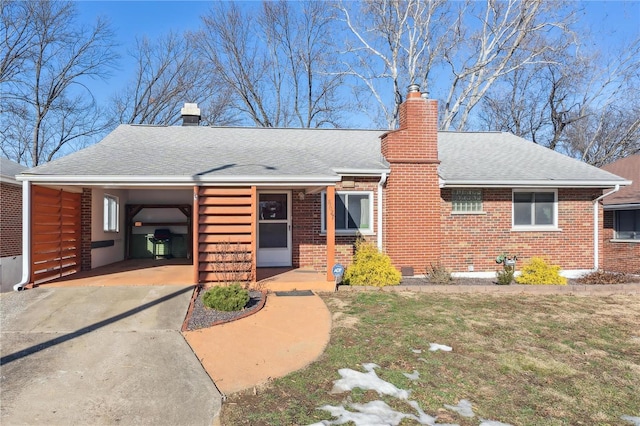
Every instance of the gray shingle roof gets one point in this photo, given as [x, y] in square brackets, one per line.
[494, 158]
[9, 169]
[209, 152]
[218, 153]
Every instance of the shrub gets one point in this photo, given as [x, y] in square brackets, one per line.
[537, 271]
[371, 267]
[602, 277]
[437, 274]
[505, 277]
[227, 298]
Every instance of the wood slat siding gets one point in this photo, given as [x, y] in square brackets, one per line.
[226, 234]
[55, 225]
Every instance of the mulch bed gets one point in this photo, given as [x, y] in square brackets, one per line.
[411, 281]
[202, 317]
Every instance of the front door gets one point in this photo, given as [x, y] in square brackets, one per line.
[274, 228]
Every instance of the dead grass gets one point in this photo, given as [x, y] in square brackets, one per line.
[523, 360]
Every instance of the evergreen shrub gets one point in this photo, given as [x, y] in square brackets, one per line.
[226, 298]
[371, 267]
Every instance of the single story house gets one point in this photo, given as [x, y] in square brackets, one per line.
[267, 197]
[10, 224]
[621, 235]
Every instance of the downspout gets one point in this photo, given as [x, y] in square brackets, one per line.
[383, 180]
[596, 227]
[26, 236]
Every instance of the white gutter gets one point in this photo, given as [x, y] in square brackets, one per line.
[26, 236]
[184, 180]
[361, 172]
[596, 227]
[383, 180]
[531, 183]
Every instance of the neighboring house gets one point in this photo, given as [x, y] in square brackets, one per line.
[621, 234]
[425, 197]
[10, 224]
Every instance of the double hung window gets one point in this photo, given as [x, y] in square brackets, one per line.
[353, 211]
[534, 209]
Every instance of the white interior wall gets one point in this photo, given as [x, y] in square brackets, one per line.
[10, 272]
[115, 253]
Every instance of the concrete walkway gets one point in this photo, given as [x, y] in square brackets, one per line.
[101, 356]
[289, 333]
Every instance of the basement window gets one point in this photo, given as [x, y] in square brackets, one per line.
[466, 201]
[354, 212]
[111, 208]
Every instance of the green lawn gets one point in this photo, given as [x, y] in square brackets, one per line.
[523, 360]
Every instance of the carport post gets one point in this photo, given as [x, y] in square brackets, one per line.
[330, 214]
[194, 223]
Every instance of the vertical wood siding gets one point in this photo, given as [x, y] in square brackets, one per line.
[226, 234]
[55, 225]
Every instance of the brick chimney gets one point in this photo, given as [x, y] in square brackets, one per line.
[412, 230]
[190, 115]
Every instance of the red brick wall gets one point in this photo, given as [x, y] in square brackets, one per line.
[85, 229]
[617, 256]
[470, 239]
[412, 232]
[309, 243]
[10, 220]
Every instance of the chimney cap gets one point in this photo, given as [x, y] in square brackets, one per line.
[190, 114]
[190, 109]
[414, 87]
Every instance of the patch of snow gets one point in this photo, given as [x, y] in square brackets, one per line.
[463, 408]
[493, 423]
[413, 376]
[631, 419]
[422, 359]
[438, 347]
[368, 381]
[416, 351]
[374, 413]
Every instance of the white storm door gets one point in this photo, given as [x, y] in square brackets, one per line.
[274, 228]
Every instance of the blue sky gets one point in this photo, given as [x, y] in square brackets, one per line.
[610, 22]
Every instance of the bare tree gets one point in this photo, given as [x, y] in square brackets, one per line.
[606, 135]
[478, 43]
[17, 37]
[511, 35]
[584, 105]
[49, 88]
[277, 61]
[167, 74]
[396, 43]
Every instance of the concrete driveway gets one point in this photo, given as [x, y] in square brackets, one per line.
[101, 355]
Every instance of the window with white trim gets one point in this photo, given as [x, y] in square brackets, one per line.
[627, 224]
[354, 211]
[111, 207]
[535, 209]
[466, 200]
